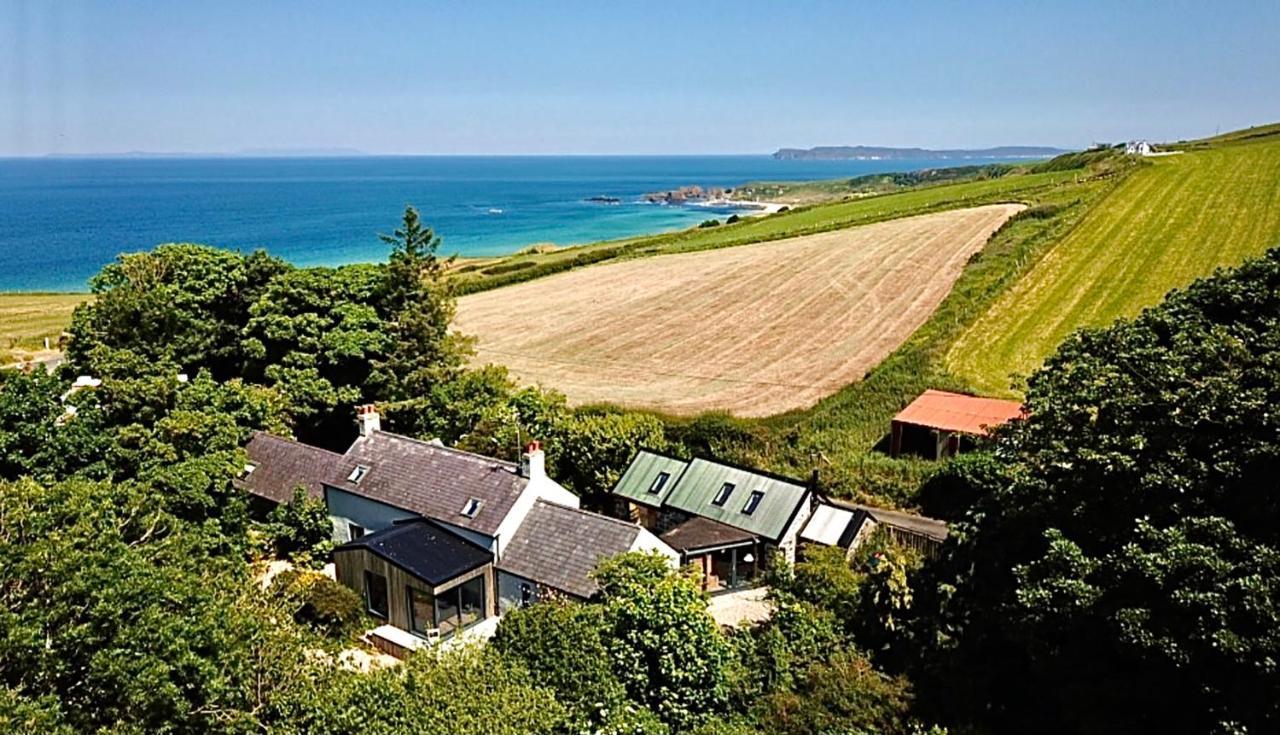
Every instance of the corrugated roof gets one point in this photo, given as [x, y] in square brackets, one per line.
[700, 533]
[425, 549]
[432, 480]
[938, 409]
[703, 479]
[281, 465]
[636, 483]
[559, 546]
[828, 525]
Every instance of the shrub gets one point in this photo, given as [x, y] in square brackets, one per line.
[321, 603]
[300, 530]
[710, 223]
[843, 694]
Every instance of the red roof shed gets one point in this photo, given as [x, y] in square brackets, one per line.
[954, 413]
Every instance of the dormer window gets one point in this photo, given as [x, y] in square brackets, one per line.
[472, 507]
[722, 496]
[753, 502]
[358, 474]
[659, 482]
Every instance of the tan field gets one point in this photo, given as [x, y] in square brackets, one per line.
[754, 330]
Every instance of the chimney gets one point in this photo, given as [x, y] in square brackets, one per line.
[533, 463]
[367, 419]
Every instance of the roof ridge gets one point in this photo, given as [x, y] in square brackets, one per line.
[619, 521]
[286, 440]
[447, 448]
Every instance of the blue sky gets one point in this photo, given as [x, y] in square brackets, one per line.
[605, 77]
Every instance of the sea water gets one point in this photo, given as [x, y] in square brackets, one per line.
[62, 219]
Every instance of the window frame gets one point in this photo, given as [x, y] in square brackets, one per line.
[355, 531]
[723, 494]
[358, 474]
[753, 502]
[385, 613]
[477, 503]
[659, 482]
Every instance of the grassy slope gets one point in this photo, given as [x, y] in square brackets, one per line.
[27, 318]
[1168, 224]
[839, 433]
[810, 220]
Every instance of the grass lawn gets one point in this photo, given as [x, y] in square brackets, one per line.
[27, 318]
[1169, 223]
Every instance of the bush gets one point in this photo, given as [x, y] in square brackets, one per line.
[710, 223]
[330, 608]
[300, 530]
[733, 218]
[842, 695]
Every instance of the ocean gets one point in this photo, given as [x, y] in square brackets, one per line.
[62, 219]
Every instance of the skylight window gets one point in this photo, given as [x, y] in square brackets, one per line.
[358, 473]
[248, 470]
[472, 507]
[753, 502]
[722, 496]
[659, 482]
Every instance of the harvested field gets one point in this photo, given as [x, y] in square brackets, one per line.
[754, 330]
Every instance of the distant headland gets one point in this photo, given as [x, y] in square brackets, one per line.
[879, 153]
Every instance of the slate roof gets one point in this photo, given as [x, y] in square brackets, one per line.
[431, 480]
[281, 465]
[425, 549]
[559, 546]
[700, 533]
[937, 409]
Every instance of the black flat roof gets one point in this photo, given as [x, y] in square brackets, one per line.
[425, 549]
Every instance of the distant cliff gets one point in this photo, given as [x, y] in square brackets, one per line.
[877, 153]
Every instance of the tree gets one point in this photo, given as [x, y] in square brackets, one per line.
[179, 303]
[436, 693]
[1119, 572]
[597, 445]
[562, 645]
[419, 305]
[665, 648]
[844, 694]
[300, 529]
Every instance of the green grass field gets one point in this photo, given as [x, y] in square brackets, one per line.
[27, 318]
[804, 221]
[1169, 223]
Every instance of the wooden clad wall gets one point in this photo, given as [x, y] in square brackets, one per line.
[350, 565]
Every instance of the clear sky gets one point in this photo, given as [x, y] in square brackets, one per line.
[608, 77]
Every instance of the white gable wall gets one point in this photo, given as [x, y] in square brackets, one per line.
[646, 541]
[539, 487]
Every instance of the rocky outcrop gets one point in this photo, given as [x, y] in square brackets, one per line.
[687, 194]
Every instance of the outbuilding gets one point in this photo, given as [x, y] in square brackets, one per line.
[938, 423]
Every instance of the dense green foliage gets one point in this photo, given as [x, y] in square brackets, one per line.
[1123, 547]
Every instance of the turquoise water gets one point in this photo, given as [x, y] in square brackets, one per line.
[63, 219]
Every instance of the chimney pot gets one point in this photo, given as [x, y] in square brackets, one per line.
[533, 463]
[367, 419]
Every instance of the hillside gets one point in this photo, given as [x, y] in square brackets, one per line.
[755, 330]
[881, 153]
[1172, 221]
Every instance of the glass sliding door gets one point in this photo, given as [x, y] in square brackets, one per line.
[421, 612]
[460, 607]
[447, 612]
[471, 594]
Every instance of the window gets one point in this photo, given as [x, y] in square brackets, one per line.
[659, 482]
[354, 532]
[421, 613]
[472, 507]
[753, 502]
[358, 474]
[722, 496]
[460, 607]
[248, 470]
[526, 593]
[375, 593]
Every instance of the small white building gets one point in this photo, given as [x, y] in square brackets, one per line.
[1138, 148]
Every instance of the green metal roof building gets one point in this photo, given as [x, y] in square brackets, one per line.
[759, 503]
